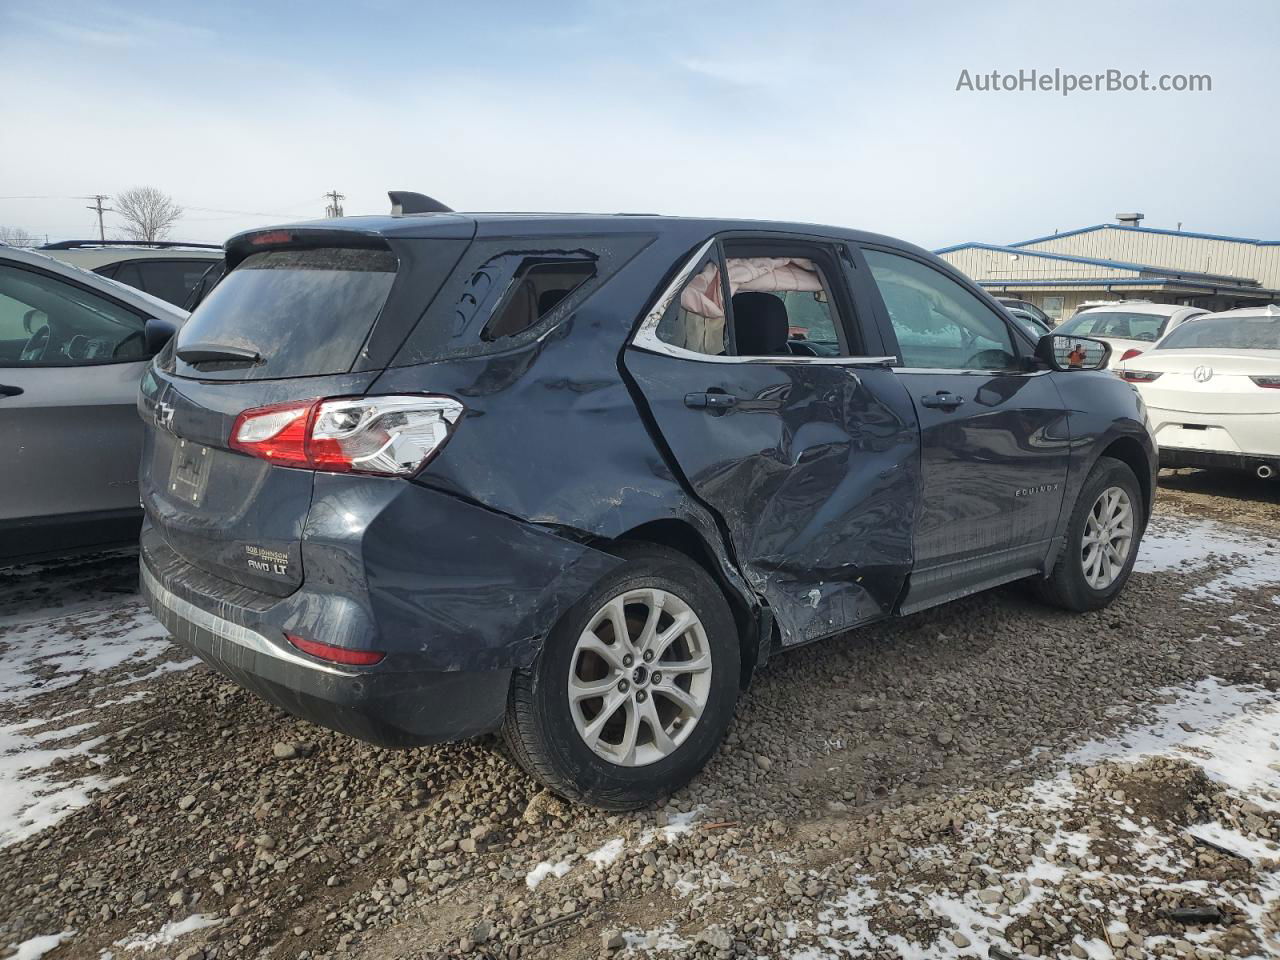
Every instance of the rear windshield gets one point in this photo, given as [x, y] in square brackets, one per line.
[1115, 323]
[303, 312]
[1225, 333]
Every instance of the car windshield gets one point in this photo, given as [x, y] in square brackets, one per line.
[1115, 323]
[1225, 333]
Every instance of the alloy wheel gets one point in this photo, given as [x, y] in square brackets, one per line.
[639, 677]
[1108, 538]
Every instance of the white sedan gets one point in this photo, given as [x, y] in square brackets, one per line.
[1130, 326]
[1212, 390]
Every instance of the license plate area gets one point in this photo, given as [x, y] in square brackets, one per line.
[189, 471]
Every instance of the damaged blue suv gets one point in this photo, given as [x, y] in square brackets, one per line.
[576, 478]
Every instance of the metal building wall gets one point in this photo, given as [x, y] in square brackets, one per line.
[1231, 258]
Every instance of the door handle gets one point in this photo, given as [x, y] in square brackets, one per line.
[709, 400]
[947, 401]
[8, 391]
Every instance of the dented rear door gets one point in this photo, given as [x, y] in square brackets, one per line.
[811, 464]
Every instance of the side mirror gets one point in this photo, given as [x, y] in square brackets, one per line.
[157, 333]
[1059, 352]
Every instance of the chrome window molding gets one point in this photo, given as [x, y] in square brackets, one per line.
[646, 337]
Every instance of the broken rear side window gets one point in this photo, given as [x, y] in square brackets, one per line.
[538, 287]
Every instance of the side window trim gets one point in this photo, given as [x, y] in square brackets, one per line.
[1016, 337]
[646, 336]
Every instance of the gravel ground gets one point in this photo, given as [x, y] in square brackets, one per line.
[990, 778]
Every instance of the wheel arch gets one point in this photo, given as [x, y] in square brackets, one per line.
[750, 614]
[1129, 451]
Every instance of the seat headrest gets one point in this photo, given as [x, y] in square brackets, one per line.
[760, 324]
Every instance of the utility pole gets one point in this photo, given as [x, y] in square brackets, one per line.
[97, 199]
[334, 209]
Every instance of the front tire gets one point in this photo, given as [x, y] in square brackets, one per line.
[635, 686]
[1103, 535]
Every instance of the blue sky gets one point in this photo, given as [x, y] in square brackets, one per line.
[836, 112]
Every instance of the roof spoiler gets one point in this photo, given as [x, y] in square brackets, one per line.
[406, 201]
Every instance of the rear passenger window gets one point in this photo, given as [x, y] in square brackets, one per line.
[537, 288]
[780, 306]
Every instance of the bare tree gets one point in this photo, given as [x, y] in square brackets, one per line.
[17, 237]
[148, 214]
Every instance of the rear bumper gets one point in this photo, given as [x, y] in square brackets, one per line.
[1215, 460]
[455, 596]
[394, 708]
[1253, 436]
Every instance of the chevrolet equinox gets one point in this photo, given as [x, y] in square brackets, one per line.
[575, 478]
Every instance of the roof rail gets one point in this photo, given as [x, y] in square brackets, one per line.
[406, 201]
[159, 244]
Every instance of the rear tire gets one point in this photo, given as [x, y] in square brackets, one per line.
[1102, 540]
[597, 722]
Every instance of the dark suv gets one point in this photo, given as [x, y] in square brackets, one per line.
[422, 477]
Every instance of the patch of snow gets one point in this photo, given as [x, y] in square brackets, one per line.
[48, 654]
[1187, 545]
[37, 947]
[168, 933]
[677, 824]
[1206, 705]
[662, 938]
[169, 666]
[1255, 851]
[1094, 949]
[30, 799]
[608, 853]
[1234, 738]
[544, 870]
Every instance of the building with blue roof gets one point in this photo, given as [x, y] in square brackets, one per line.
[1125, 261]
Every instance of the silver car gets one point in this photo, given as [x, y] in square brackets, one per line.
[73, 346]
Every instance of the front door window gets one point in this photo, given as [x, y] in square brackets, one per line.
[939, 324]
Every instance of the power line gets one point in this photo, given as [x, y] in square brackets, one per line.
[334, 209]
[239, 213]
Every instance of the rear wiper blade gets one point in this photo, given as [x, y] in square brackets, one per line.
[194, 353]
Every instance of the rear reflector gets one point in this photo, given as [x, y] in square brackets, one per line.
[386, 436]
[1130, 353]
[327, 651]
[1139, 376]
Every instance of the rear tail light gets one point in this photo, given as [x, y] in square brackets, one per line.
[387, 436]
[1139, 376]
[327, 651]
[1130, 353]
[1272, 383]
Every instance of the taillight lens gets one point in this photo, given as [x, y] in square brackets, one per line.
[387, 436]
[277, 433]
[1139, 376]
[327, 651]
[1272, 383]
[1129, 354]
